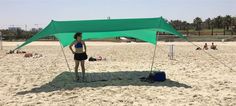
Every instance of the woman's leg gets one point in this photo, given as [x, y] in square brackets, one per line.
[83, 69]
[76, 69]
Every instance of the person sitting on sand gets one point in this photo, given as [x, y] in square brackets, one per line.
[79, 54]
[205, 47]
[213, 46]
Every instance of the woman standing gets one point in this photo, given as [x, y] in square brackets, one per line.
[79, 54]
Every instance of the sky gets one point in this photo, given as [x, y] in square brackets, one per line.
[38, 13]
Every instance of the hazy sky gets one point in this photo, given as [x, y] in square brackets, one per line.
[31, 12]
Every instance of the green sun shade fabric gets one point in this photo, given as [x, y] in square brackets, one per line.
[141, 28]
[145, 35]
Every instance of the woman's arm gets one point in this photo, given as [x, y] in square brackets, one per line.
[71, 47]
[85, 47]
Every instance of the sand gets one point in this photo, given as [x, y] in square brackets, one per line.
[194, 78]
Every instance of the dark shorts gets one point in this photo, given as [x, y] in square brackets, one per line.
[80, 56]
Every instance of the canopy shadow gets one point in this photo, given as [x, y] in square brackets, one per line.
[65, 81]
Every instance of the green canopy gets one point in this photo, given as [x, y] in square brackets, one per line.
[141, 28]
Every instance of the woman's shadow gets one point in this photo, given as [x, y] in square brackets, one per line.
[65, 81]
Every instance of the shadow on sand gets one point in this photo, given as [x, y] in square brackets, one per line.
[65, 81]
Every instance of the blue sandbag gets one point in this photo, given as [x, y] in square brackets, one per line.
[159, 76]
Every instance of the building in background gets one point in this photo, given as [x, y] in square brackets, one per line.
[14, 29]
[36, 29]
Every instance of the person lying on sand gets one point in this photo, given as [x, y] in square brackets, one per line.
[99, 58]
[27, 55]
[198, 48]
[17, 52]
[205, 47]
[11, 52]
[213, 46]
[36, 55]
[20, 52]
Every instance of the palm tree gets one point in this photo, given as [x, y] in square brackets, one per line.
[198, 23]
[218, 22]
[233, 25]
[227, 21]
[185, 26]
[176, 24]
[208, 23]
[212, 27]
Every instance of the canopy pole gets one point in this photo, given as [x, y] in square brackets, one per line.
[154, 53]
[153, 58]
[1, 40]
[68, 66]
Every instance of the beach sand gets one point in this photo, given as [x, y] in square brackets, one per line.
[194, 78]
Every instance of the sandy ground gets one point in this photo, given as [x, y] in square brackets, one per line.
[194, 78]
